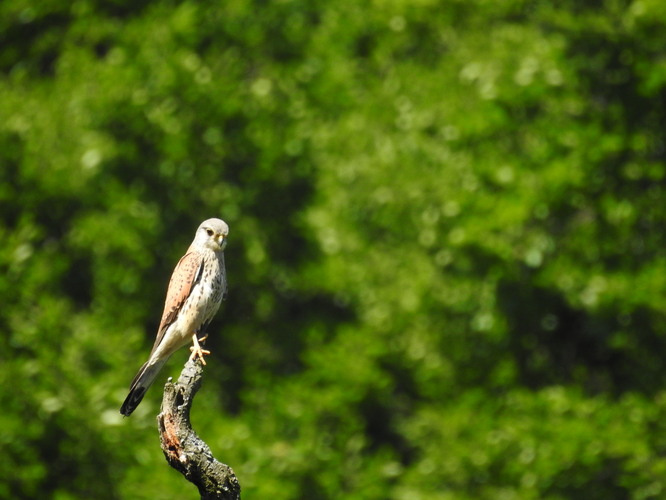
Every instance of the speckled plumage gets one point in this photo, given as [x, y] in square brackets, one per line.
[197, 287]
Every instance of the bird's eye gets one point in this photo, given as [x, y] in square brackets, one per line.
[210, 232]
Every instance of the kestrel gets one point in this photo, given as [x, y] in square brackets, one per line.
[197, 287]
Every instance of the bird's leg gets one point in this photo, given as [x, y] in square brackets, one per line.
[197, 351]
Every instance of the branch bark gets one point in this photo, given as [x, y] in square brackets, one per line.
[184, 450]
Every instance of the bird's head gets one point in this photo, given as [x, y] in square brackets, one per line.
[212, 234]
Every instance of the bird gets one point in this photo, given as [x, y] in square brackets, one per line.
[196, 289]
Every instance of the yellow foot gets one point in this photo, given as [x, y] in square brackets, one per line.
[197, 351]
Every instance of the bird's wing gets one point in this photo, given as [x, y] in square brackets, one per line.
[187, 273]
[223, 269]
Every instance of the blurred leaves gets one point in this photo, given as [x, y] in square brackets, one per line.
[446, 256]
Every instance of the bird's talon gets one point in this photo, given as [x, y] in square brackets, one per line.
[197, 351]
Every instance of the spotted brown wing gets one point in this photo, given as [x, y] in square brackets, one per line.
[185, 275]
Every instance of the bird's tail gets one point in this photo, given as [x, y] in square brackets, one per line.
[140, 384]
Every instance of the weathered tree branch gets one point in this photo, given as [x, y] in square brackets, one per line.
[183, 449]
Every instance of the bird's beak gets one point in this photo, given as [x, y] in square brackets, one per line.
[221, 240]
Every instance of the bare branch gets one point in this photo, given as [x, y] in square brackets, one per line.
[183, 449]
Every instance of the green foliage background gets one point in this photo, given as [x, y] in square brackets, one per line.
[447, 253]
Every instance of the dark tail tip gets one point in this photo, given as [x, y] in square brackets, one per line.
[132, 401]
